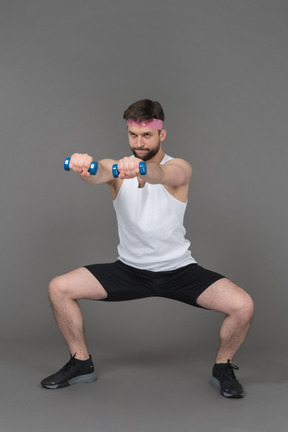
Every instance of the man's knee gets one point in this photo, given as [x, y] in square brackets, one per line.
[245, 307]
[57, 287]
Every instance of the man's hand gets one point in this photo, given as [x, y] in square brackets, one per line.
[128, 167]
[80, 163]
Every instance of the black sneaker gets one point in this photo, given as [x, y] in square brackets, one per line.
[74, 372]
[223, 378]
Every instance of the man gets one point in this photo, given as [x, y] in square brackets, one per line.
[154, 256]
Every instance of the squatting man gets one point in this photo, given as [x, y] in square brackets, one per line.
[154, 256]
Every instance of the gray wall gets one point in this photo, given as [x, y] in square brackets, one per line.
[68, 70]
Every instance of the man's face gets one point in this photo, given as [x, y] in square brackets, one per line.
[145, 142]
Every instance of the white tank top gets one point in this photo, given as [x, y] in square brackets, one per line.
[150, 227]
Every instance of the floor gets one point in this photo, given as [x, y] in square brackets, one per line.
[140, 389]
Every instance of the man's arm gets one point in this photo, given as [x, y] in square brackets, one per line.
[80, 163]
[174, 173]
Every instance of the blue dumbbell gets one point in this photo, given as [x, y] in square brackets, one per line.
[92, 170]
[142, 169]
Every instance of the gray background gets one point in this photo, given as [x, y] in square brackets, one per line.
[68, 70]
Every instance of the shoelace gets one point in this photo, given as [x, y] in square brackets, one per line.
[228, 373]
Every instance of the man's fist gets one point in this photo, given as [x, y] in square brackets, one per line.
[128, 167]
[80, 163]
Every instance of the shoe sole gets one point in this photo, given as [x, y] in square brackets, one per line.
[77, 380]
[216, 383]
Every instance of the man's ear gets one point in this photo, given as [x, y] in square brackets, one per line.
[163, 134]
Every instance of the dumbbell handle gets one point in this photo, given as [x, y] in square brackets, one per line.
[92, 170]
[142, 169]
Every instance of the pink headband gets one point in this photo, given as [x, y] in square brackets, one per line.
[153, 124]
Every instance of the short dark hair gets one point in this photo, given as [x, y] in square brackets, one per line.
[144, 110]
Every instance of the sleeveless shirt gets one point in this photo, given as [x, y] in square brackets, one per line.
[150, 227]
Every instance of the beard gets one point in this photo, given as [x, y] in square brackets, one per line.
[149, 154]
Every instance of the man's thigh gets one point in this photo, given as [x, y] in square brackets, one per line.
[80, 284]
[224, 296]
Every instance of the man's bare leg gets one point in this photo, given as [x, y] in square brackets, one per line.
[224, 296]
[64, 291]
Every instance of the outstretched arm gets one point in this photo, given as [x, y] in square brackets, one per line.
[80, 163]
[174, 173]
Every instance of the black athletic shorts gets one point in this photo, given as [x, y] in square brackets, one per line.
[123, 282]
